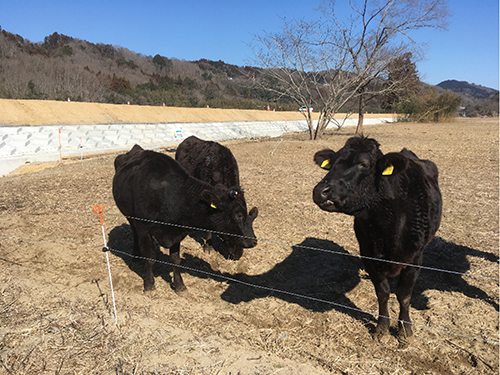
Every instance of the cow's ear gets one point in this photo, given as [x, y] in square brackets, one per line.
[254, 212]
[210, 199]
[392, 163]
[323, 158]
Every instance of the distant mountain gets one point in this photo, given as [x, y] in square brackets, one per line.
[467, 89]
[476, 100]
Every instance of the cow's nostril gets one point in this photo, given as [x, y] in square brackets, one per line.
[325, 192]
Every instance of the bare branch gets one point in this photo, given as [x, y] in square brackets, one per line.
[328, 63]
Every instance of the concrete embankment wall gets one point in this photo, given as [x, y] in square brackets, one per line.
[47, 143]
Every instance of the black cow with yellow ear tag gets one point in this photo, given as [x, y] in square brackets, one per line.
[396, 204]
[163, 202]
[215, 164]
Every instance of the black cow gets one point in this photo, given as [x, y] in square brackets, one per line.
[213, 163]
[154, 187]
[396, 204]
[208, 161]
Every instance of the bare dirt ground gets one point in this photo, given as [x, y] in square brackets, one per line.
[56, 314]
[49, 112]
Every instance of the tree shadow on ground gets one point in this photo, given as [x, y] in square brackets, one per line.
[446, 255]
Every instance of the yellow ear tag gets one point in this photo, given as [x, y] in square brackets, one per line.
[326, 164]
[213, 206]
[388, 171]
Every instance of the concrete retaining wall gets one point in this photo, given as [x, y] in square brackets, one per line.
[28, 144]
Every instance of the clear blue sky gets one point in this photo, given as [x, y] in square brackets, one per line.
[222, 30]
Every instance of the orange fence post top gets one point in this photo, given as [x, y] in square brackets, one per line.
[98, 210]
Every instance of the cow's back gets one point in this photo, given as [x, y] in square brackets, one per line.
[407, 211]
[426, 189]
[429, 169]
[140, 180]
[208, 161]
[428, 186]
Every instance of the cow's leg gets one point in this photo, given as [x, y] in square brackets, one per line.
[404, 291]
[136, 251]
[367, 249]
[175, 258]
[383, 290]
[208, 245]
[146, 243]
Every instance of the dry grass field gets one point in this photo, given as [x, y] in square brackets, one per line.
[56, 312]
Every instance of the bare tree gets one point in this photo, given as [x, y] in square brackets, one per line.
[302, 64]
[329, 62]
[379, 32]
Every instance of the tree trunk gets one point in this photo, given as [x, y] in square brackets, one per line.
[318, 133]
[320, 126]
[311, 131]
[310, 125]
[359, 128]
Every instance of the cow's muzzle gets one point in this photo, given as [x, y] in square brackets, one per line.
[323, 197]
[235, 251]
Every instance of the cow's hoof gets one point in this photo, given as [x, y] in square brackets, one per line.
[181, 290]
[381, 338]
[404, 339]
[380, 334]
[403, 344]
[207, 248]
[149, 288]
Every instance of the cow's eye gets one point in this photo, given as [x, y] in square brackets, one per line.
[239, 216]
[363, 165]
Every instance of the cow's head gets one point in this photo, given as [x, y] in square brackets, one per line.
[355, 171]
[228, 215]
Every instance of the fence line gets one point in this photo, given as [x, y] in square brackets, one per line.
[274, 290]
[313, 248]
[98, 210]
[269, 289]
[55, 150]
[190, 228]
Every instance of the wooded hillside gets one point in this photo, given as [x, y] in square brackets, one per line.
[63, 67]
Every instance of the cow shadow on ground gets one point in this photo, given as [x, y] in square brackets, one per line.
[121, 244]
[444, 255]
[324, 273]
[316, 275]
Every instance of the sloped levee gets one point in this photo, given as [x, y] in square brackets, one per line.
[49, 143]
